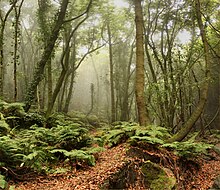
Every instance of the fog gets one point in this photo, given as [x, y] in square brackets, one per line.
[94, 70]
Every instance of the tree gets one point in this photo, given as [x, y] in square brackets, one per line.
[38, 74]
[113, 109]
[140, 71]
[3, 20]
[44, 12]
[17, 11]
[65, 57]
[186, 128]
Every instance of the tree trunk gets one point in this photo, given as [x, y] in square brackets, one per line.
[60, 81]
[73, 71]
[125, 112]
[2, 30]
[64, 92]
[67, 102]
[186, 128]
[49, 81]
[113, 109]
[16, 43]
[1, 61]
[38, 74]
[140, 74]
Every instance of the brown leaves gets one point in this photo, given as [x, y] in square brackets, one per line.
[110, 161]
[113, 160]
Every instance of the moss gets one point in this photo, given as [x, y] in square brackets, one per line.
[150, 171]
[93, 120]
[163, 182]
[157, 177]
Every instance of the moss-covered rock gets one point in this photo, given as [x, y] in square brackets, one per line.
[158, 177]
[94, 121]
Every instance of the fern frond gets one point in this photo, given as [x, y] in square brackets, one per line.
[148, 139]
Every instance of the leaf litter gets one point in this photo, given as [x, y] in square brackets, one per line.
[112, 160]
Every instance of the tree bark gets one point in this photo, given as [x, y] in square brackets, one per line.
[66, 59]
[186, 128]
[70, 92]
[72, 73]
[113, 108]
[49, 81]
[2, 30]
[125, 111]
[140, 73]
[38, 74]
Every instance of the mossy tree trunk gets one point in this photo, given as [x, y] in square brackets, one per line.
[65, 59]
[186, 128]
[140, 73]
[17, 12]
[44, 23]
[39, 71]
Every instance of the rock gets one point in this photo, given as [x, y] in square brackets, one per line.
[140, 174]
[158, 177]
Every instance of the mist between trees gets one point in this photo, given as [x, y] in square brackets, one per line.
[153, 62]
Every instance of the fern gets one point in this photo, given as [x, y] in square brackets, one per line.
[99, 141]
[71, 137]
[76, 156]
[13, 109]
[151, 134]
[120, 133]
[188, 148]
[153, 131]
[4, 127]
[94, 150]
[36, 160]
[147, 139]
[10, 151]
[114, 137]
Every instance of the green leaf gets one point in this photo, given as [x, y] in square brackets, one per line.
[3, 183]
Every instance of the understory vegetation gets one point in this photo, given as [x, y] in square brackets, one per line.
[30, 144]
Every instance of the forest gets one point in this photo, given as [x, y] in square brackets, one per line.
[109, 94]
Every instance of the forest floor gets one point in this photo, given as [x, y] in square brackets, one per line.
[112, 160]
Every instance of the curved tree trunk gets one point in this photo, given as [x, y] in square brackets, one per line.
[186, 128]
[38, 74]
[140, 73]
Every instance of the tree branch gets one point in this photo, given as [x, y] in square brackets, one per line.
[82, 14]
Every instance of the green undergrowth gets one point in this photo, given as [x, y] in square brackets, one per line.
[42, 147]
[38, 147]
[154, 135]
[74, 140]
